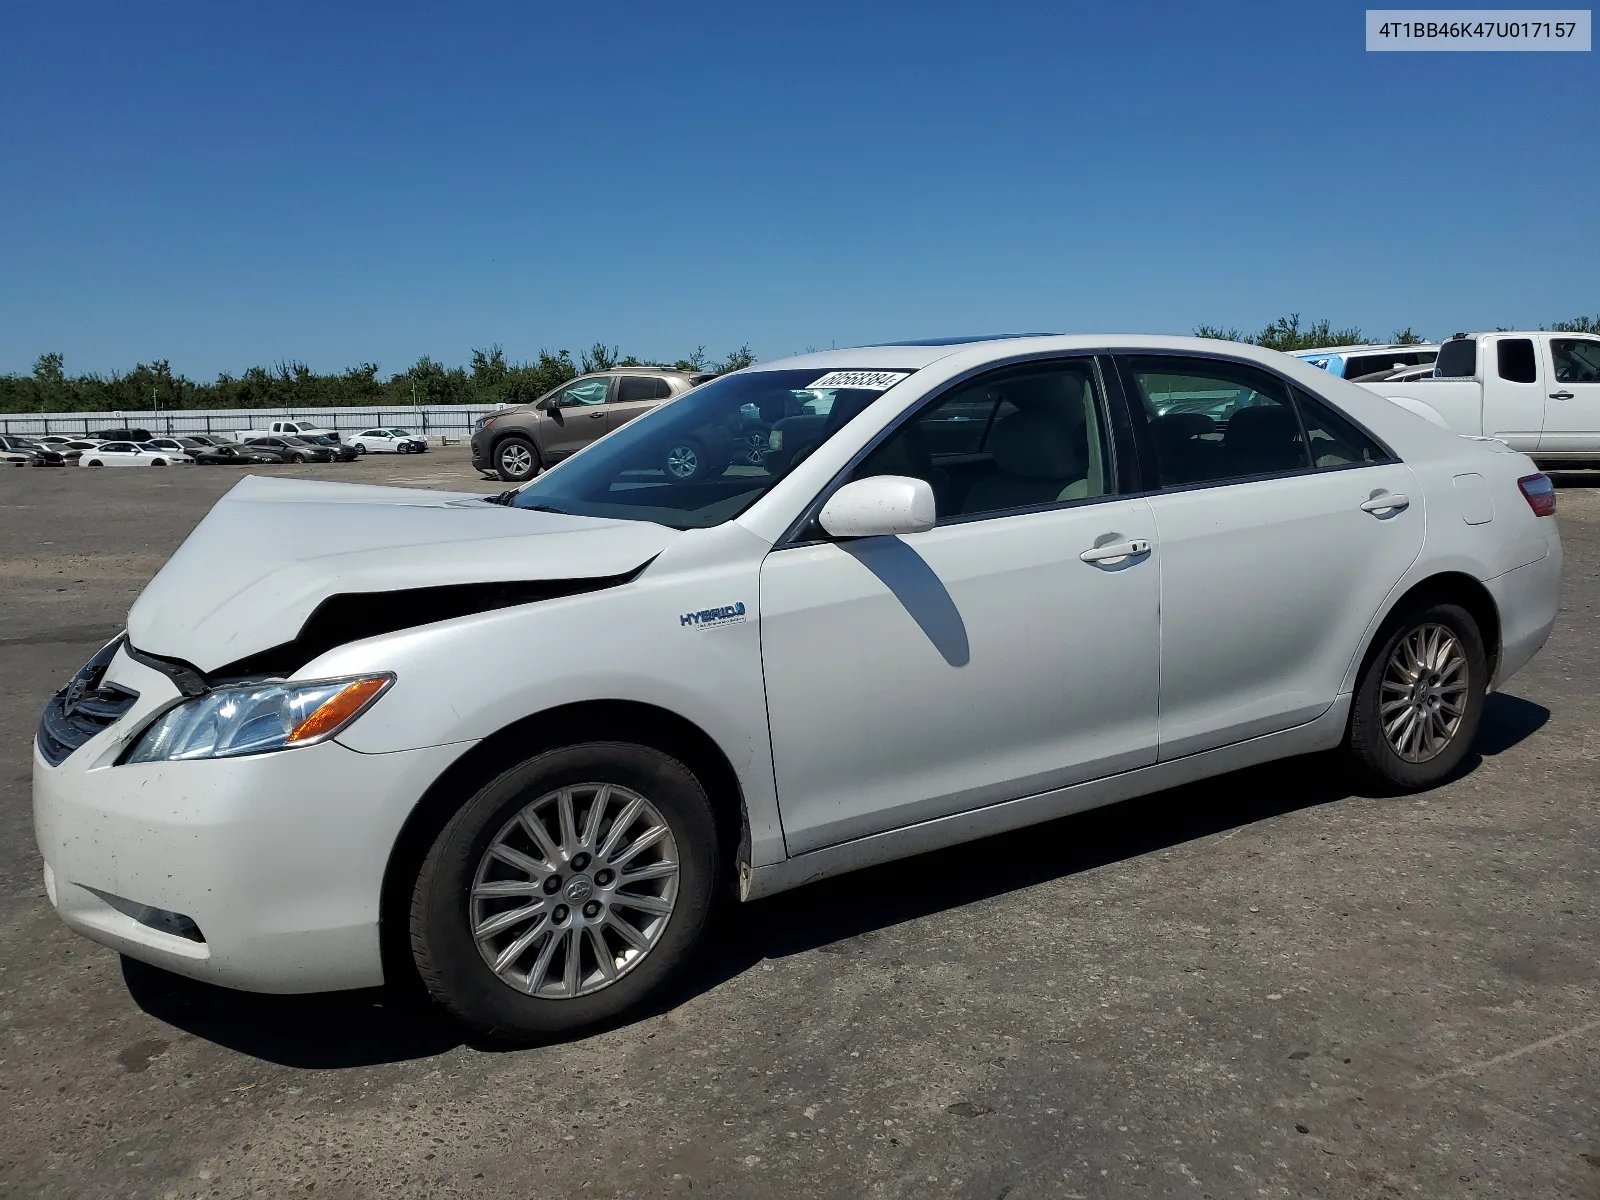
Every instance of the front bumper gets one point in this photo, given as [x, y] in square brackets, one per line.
[277, 859]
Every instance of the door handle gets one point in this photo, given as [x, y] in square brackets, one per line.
[1561, 395]
[596, 416]
[1116, 550]
[1388, 502]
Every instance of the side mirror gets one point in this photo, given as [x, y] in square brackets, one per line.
[879, 506]
[549, 404]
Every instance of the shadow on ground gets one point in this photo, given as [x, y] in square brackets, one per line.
[347, 1029]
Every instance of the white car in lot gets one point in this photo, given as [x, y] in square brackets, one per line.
[388, 441]
[132, 454]
[521, 746]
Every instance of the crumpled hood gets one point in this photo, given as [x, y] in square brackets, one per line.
[272, 550]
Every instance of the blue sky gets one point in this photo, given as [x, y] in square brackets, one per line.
[228, 184]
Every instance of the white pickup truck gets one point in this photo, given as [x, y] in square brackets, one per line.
[286, 428]
[1537, 392]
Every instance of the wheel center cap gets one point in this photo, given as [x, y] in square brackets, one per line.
[579, 889]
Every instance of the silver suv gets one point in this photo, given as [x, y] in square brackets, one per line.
[515, 444]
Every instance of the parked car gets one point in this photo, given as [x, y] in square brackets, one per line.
[228, 454]
[132, 454]
[1539, 392]
[1397, 374]
[340, 452]
[388, 441]
[1351, 362]
[74, 449]
[178, 445]
[515, 444]
[38, 455]
[535, 783]
[287, 429]
[121, 435]
[292, 449]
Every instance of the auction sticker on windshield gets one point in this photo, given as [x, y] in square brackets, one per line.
[866, 381]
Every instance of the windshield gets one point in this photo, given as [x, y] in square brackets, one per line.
[704, 458]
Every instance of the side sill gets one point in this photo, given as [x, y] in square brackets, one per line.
[1323, 733]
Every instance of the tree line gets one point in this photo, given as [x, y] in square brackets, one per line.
[488, 379]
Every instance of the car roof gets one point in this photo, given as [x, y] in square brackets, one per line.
[913, 357]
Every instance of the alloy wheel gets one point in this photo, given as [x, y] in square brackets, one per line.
[683, 461]
[574, 891]
[1423, 694]
[516, 460]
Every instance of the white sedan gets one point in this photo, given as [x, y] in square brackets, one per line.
[388, 441]
[519, 746]
[132, 454]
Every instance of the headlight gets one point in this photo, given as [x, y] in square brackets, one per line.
[258, 717]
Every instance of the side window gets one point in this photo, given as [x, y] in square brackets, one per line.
[1514, 360]
[1211, 420]
[631, 388]
[583, 392]
[1335, 441]
[1021, 438]
[663, 389]
[1458, 359]
[1576, 361]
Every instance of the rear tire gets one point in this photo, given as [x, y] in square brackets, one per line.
[1420, 698]
[516, 460]
[528, 991]
[687, 461]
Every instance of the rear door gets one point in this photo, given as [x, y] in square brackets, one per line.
[1572, 405]
[636, 395]
[1514, 403]
[577, 418]
[1283, 527]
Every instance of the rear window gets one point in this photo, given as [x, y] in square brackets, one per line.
[1515, 360]
[1458, 359]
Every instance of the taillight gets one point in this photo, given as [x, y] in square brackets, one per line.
[1540, 494]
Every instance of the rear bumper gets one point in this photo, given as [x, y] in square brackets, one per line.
[1527, 599]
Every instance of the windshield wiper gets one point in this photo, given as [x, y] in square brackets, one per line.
[505, 497]
[560, 512]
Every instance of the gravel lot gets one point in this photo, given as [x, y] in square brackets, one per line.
[1264, 985]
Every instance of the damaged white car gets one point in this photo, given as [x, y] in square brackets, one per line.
[522, 746]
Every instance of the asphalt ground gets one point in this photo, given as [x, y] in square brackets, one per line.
[1269, 984]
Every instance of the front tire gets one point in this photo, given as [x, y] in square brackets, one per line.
[360, 449]
[298, 458]
[1420, 699]
[566, 891]
[516, 460]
